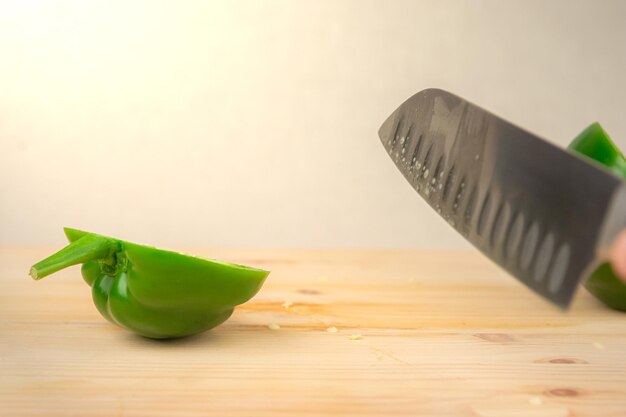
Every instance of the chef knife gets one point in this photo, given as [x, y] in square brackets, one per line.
[545, 215]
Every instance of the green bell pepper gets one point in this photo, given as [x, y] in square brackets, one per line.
[155, 293]
[596, 144]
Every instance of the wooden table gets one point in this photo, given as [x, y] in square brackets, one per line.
[361, 333]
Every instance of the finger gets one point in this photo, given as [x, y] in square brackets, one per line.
[618, 255]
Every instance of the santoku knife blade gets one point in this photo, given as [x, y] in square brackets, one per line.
[542, 213]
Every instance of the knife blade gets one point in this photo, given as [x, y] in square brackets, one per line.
[543, 214]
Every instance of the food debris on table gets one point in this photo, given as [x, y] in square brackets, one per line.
[355, 337]
[307, 291]
[273, 326]
[332, 329]
[287, 304]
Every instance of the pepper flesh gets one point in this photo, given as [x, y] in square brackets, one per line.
[155, 293]
[596, 144]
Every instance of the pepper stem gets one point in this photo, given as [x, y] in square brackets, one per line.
[87, 248]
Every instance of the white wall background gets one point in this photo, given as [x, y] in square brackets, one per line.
[253, 123]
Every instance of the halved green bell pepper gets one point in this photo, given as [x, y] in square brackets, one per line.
[595, 143]
[153, 292]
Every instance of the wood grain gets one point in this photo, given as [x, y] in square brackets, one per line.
[418, 334]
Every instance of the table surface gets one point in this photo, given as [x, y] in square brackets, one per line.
[333, 332]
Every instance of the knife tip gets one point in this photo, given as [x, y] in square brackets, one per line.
[386, 129]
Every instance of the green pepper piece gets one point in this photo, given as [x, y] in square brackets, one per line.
[596, 144]
[155, 293]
